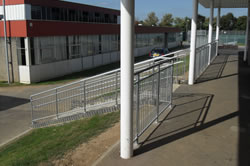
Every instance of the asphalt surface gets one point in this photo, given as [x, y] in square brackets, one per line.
[15, 110]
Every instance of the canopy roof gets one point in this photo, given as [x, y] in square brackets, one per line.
[225, 3]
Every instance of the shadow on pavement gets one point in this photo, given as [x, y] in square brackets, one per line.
[7, 102]
[187, 116]
[215, 69]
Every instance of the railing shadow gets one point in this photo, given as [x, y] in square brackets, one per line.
[215, 69]
[7, 102]
[187, 117]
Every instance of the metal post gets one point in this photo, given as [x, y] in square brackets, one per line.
[217, 30]
[32, 114]
[193, 43]
[246, 40]
[127, 77]
[210, 32]
[6, 43]
[172, 77]
[137, 107]
[158, 92]
[116, 88]
[56, 105]
[84, 96]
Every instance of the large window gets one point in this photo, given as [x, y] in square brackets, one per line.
[74, 47]
[63, 14]
[145, 40]
[36, 12]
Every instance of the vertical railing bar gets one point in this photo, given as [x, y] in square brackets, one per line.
[137, 107]
[171, 91]
[56, 105]
[32, 113]
[116, 88]
[84, 93]
[158, 92]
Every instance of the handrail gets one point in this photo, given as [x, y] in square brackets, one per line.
[106, 73]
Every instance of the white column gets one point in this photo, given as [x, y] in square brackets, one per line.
[193, 43]
[27, 51]
[210, 31]
[246, 40]
[127, 77]
[217, 30]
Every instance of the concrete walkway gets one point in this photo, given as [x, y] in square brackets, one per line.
[15, 114]
[205, 126]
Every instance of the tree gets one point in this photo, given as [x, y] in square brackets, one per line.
[138, 22]
[241, 23]
[151, 20]
[201, 22]
[228, 22]
[180, 23]
[167, 20]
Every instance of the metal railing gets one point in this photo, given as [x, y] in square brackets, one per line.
[152, 94]
[98, 94]
[202, 58]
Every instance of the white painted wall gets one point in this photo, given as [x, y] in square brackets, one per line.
[37, 73]
[17, 12]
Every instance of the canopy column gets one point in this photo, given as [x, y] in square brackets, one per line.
[218, 30]
[127, 77]
[193, 43]
[210, 31]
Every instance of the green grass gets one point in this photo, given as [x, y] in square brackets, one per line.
[46, 144]
[5, 84]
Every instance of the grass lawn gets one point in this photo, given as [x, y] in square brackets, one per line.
[5, 84]
[46, 144]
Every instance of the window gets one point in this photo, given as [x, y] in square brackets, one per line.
[74, 46]
[55, 14]
[36, 12]
[44, 13]
[21, 51]
[72, 15]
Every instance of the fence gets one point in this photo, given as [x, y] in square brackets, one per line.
[202, 58]
[152, 94]
[97, 94]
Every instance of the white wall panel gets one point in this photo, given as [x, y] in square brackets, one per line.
[18, 12]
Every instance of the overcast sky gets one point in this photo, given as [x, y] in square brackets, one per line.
[179, 8]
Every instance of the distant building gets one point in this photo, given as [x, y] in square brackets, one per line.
[52, 38]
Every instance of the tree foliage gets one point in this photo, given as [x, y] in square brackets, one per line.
[227, 22]
[151, 20]
[241, 23]
[167, 20]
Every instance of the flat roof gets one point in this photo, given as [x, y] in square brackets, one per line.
[225, 3]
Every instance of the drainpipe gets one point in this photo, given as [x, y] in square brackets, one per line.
[193, 43]
[127, 77]
[6, 43]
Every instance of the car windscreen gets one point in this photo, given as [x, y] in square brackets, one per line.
[159, 51]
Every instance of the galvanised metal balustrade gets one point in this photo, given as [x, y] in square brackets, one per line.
[153, 82]
[202, 58]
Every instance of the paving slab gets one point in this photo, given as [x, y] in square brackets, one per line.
[205, 126]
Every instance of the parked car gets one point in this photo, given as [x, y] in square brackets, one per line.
[156, 52]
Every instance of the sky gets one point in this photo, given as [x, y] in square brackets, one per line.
[179, 8]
